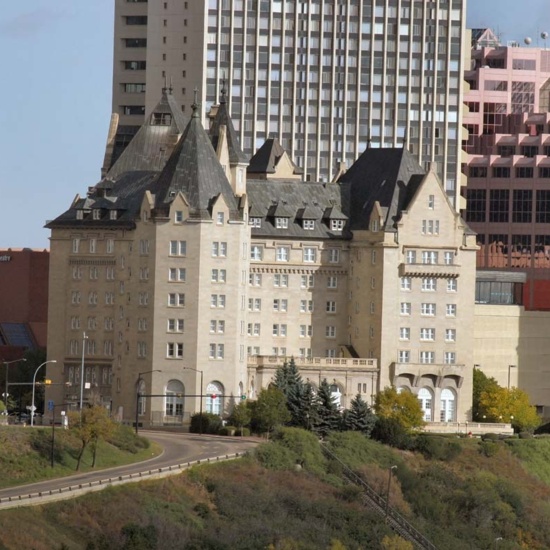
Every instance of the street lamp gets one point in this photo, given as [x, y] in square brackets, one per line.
[138, 394]
[510, 367]
[391, 468]
[84, 338]
[6, 364]
[34, 384]
[200, 408]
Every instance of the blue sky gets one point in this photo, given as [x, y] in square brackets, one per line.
[55, 98]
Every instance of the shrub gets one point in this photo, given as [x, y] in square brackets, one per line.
[227, 430]
[275, 457]
[304, 445]
[489, 437]
[124, 438]
[391, 432]
[437, 448]
[488, 448]
[211, 423]
[245, 432]
[525, 435]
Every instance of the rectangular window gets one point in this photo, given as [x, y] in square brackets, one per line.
[218, 276]
[334, 255]
[427, 334]
[219, 218]
[308, 225]
[337, 225]
[450, 357]
[410, 256]
[450, 335]
[406, 283]
[331, 307]
[283, 254]
[427, 357]
[219, 249]
[178, 216]
[330, 332]
[448, 258]
[255, 279]
[332, 282]
[429, 284]
[404, 333]
[427, 309]
[450, 310]
[452, 285]
[281, 223]
[280, 280]
[430, 227]
[404, 356]
[429, 257]
[178, 248]
[309, 254]
[256, 252]
[307, 281]
[405, 308]
[306, 306]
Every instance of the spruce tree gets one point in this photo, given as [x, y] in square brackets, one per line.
[329, 417]
[359, 417]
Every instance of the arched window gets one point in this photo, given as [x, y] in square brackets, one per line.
[448, 405]
[214, 398]
[426, 402]
[174, 398]
[142, 399]
[336, 395]
[401, 389]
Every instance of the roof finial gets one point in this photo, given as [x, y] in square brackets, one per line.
[165, 87]
[196, 104]
[171, 88]
[223, 92]
[405, 140]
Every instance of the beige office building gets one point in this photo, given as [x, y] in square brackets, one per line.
[325, 77]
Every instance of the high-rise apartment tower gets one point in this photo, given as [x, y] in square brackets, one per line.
[325, 77]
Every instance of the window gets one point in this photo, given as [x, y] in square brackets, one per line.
[254, 329]
[450, 310]
[448, 258]
[178, 248]
[220, 218]
[330, 332]
[306, 306]
[178, 216]
[254, 304]
[93, 246]
[110, 246]
[429, 284]
[216, 351]
[404, 356]
[280, 304]
[450, 335]
[176, 299]
[256, 252]
[283, 253]
[279, 330]
[175, 325]
[306, 331]
[429, 257]
[281, 223]
[217, 300]
[144, 247]
[406, 283]
[177, 274]
[309, 254]
[255, 279]
[405, 308]
[430, 227]
[427, 309]
[92, 298]
[280, 280]
[337, 225]
[431, 202]
[332, 281]
[450, 357]
[219, 249]
[404, 333]
[452, 285]
[410, 256]
[109, 298]
[427, 334]
[427, 357]
[308, 225]
[334, 255]
[307, 281]
[174, 350]
[331, 307]
[218, 276]
[256, 222]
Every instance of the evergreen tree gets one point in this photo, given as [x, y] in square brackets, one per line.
[304, 407]
[329, 417]
[281, 378]
[359, 417]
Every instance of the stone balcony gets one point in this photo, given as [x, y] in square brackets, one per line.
[429, 270]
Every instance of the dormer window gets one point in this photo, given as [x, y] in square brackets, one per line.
[374, 226]
[308, 225]
[96, 214]
[281, 223]
[161, 119]
[80, 214]
[336, 225]
[256, 222]
[113, 215]
[178, 218]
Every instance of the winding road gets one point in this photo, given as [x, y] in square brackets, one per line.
[179, 448]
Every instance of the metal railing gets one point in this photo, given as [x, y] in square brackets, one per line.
[379, 504]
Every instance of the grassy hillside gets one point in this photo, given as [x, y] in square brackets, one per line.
[25, 454]
[483, 492]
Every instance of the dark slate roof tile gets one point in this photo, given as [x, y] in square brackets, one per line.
[267, 157]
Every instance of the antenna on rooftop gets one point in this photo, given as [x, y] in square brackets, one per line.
[544, 36]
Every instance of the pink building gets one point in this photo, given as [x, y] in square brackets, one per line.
[508, 161]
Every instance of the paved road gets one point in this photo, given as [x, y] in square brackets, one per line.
[178, 449]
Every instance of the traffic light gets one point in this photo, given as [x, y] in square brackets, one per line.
[243, 397]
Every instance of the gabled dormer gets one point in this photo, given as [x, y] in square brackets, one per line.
[271, 161]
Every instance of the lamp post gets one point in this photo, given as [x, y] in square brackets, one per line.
[200, 408]
[34, 386]
[53, 431]
[6, 364]
[391, 468]
[138, 394]
[510, 367]
[84, 338]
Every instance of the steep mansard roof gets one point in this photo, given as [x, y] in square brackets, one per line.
[389, 176]
[151, 147]
[267, 157]
[194, 170]
[222, 118]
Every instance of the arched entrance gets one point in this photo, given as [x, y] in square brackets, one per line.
[174, 398]
[214, 398]
[425, 397]
[448, 405]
